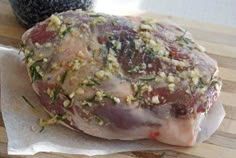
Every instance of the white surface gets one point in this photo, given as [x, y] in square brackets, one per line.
[212, 11]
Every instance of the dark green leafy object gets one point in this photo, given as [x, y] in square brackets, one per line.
[147, 79]
[30, 12]
[41, 130]
[91, 82]
[140, 86]
[214, 83]
[22, 44]
[55, 93]
[201, 83]
[28, 102]
[183, 38]
[95, 81]
[66, 31]
[109, 96]
[60, 117]
[35, 75]
[64, 77]
[30, 55]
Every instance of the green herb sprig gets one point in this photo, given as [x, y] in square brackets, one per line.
[67, 30]
[63, 77]
[28, 102]
[148, 78]
[35, 75]
[183, 38]
[55, 94]
[28, 56]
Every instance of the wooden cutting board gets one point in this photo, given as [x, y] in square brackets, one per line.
[220, 42]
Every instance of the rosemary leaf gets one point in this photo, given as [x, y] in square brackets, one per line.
[30, 55]
[94, 15]
[22, 44]
[66, 31]
[64, 77]
[27, 101]
[41, 130]
[147, 79]
[201, 83]
[162, 155]
[214, 83]
[91, 82]
[55, 94]
[138, 90]
[184, 39]
[95, 81]
[35, 75]
[110, 97]
[60, 117]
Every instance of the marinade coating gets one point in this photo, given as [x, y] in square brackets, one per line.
[121, 78]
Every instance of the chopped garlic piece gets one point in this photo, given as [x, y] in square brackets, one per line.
[203, 90]
[54, 22]
[58, 78]
[164, 53]
[40, 54]
[145, 27]
[81, 54]
[188, 90]
[145, 35]
[171, 78]
[62, 28]
[48, 44]
[162, 74]
[55, 66]
[149, 65]
[171, 87]
[100, 123]
[195, 74]
[50, 92]
[37, 45]
[155, 99]
[195, 80]
[45, 60]
[101, 74]
[66, 103]
[152, 43]
[72, 95]
[200, 48]
[113, 64]
[129, 99]
[99, 96]
[30, 61]
[218, 87]
[118, 47]
[149, 88]
[137, 43]
[43, 123]
[117, 100]
[80, 91]
[76, 65]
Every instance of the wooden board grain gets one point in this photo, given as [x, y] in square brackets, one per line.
[220, 42]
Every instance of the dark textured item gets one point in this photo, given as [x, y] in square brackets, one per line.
[121, 77]
[29, 12]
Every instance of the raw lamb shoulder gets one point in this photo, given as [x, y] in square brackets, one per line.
[121, 78]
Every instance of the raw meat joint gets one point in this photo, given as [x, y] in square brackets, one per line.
[121, 77]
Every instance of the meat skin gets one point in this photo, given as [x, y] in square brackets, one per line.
[121, 78]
